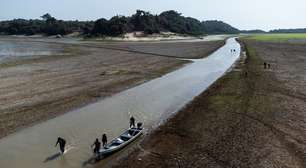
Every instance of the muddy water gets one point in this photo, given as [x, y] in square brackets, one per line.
[150, 103]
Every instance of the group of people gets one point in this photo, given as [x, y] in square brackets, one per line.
[96, 145]
[266, 65]
[233, 50]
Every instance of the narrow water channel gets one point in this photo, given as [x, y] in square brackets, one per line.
[149, 103]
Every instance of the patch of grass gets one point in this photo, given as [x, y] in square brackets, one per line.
[276, 37]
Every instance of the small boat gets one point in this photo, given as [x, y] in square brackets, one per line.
[124, 139]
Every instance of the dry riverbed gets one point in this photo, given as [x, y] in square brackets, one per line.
[251, 117]
[40, 87]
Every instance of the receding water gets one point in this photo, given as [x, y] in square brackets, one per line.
[12, 49]
[150, 103]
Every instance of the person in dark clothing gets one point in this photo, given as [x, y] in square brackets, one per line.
[132, 122]
[104, 140]
[139, 125]
[269, 66]
[61, 143]
[97, 146]
[265, 65]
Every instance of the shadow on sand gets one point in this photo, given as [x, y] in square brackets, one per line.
[53, 157]
[93, 160]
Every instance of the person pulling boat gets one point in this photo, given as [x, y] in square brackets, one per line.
[118, 143]
[121, 141]
[132, 122]
[97, 146]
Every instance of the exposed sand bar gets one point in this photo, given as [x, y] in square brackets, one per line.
[254, 120]
[150, 102]
[43, 78]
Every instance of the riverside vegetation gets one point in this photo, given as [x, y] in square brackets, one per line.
[168, 21]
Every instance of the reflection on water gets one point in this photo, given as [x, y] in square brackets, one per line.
[149, 103]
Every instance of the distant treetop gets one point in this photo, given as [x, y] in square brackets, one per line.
[46, 16]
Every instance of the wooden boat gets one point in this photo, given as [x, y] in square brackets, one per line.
[124, 139]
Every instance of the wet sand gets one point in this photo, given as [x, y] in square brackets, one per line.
[150, 103]
[251, 117]
[180, 49]
[36, 88]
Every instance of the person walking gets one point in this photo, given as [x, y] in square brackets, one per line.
[62, 143]
[265, 65]
[104, 140]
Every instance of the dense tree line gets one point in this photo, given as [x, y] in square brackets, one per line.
[218, 27]
[48, 25]
[288, 31]
[170, 21]
[253, 31]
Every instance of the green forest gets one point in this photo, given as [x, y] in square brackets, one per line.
[168, 21]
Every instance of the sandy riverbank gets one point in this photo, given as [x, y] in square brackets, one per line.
[244, 120]
[163, 36]
[40, 87]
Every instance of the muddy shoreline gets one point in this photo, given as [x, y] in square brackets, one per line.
[35, 89]
[251, 117]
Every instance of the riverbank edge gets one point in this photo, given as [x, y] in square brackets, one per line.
[231, 124]
[119, 88]
[153, 38]
[129, 157]
[144, 149]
